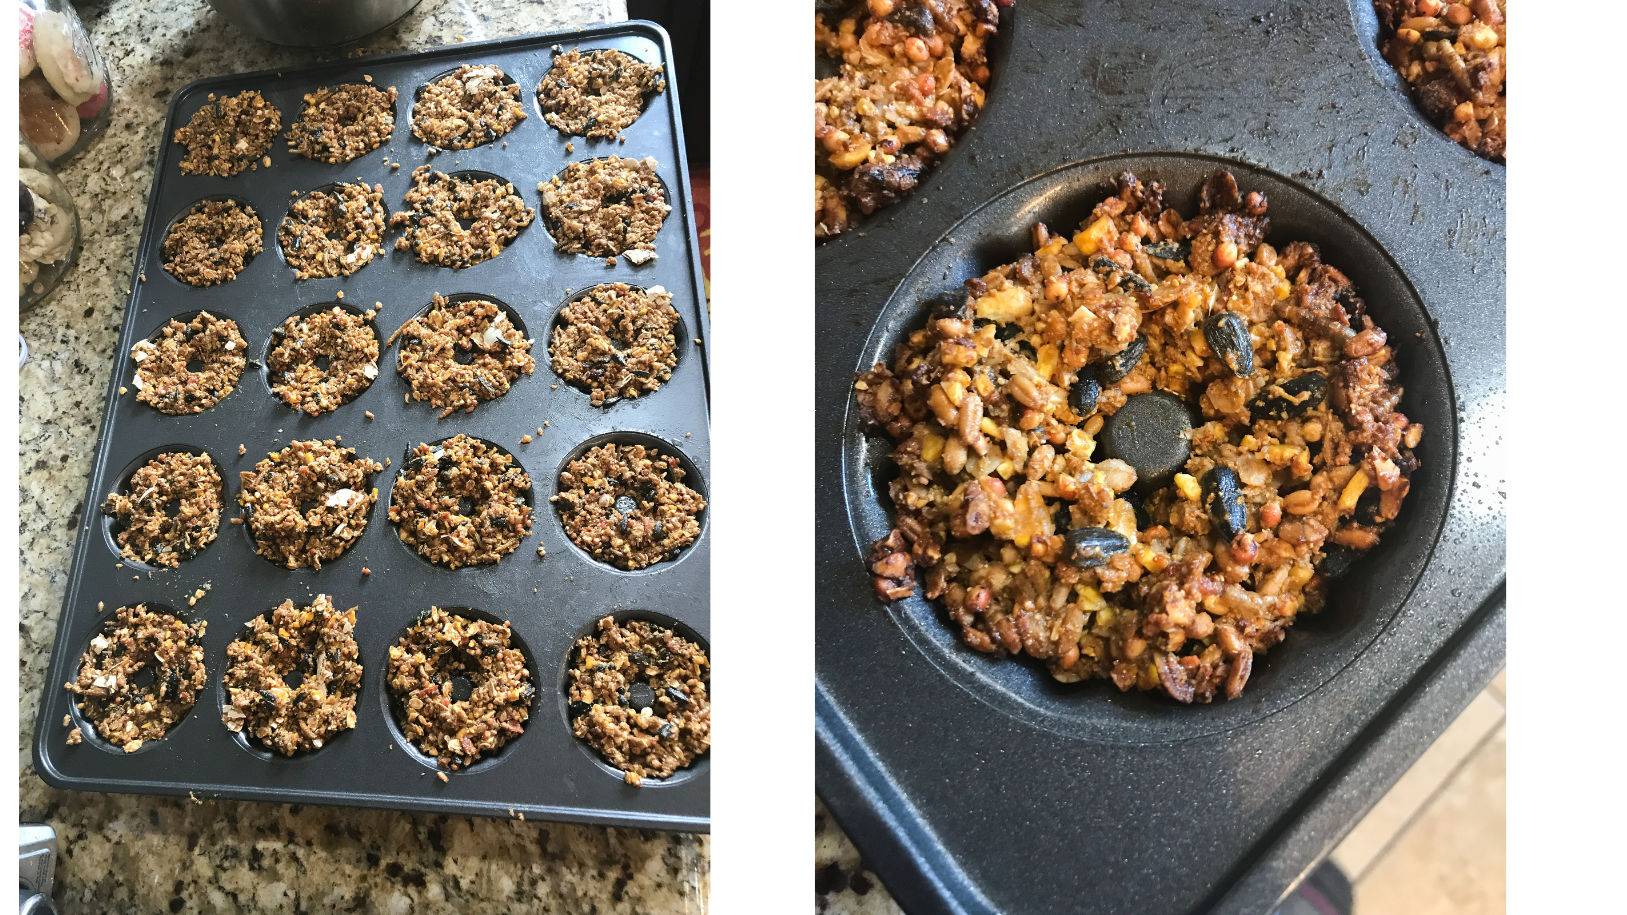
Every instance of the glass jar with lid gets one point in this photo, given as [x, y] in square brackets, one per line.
[65, 96]
[49, 240]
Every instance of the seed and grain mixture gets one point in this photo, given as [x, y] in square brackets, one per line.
[333, 232]
[638, 695]
[1174, 572]
[229, 134]
[341, 123]
[910, 81]
[188, 367]
[468, 107]
[293, 678]
[187, 484]
[458, 355]
[597, 94]
[627, 506]
[440, 648]
[1454, 58]
[134, 641]
[605, 207]
[461, 502]
[436, 202]
[306, 504]
[323, 361]
[616, 341]
[212, 243]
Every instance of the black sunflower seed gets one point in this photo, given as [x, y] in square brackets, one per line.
[1228, 336]
[1169, 250]
[1291, 398]
[1113, 369]
[1089, 547]
[1222, 498]
[1085, 392]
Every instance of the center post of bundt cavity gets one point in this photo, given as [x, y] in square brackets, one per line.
[1152, 433]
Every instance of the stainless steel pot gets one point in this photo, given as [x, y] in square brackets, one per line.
[312, 23]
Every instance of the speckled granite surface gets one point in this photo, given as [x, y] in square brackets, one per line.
[152, 855]
[843, 882]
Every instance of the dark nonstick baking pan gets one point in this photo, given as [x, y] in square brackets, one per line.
[550, 601]
[975, 784]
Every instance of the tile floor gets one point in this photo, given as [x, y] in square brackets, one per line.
[1434, 845]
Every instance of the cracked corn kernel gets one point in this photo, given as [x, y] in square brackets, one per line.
[1353, 490]
[1188, 486]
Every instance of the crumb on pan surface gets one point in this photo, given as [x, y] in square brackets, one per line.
[164, 378]
[471, 106]
[322, 361]
[306, 504]
[638, 695]
[461, 502]
[137, 639]
[228, 135]
[333, 232]
[314, 645]
[626, 506]
[188, 483]
[910, 81]
[1033, 543]
[616, 341]
[437, 202]
[604, 207]
[1454, 59]
[342, 123]
[458, 355]
[439, 648]
[597, 93]
[212, 243]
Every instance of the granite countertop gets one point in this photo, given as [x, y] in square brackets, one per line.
[126, 854]
[844, 884]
